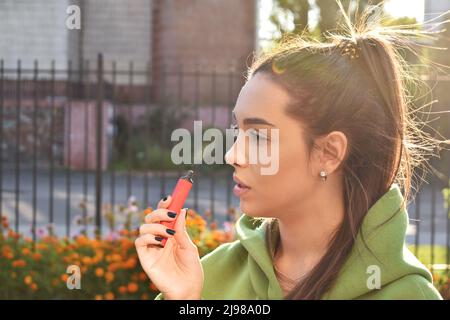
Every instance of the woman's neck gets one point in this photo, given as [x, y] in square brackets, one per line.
[306, 232]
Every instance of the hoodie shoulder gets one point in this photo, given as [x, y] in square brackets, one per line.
[400, 273]
[221, 254]
[409, 287]
[225, 269]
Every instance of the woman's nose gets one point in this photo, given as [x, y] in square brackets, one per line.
[235, 156]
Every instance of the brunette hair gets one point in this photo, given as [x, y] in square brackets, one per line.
[365, 97]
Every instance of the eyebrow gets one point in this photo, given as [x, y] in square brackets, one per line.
[254, 120]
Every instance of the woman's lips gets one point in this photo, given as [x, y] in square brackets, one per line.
[240, 188]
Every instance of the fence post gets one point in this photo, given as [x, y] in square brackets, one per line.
[98, 176]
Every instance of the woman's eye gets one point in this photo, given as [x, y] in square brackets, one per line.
[259, 136]
[251, 132]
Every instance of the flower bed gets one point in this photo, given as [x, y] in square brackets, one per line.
[109, 267]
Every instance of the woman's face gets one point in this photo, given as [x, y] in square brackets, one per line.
[261, 105]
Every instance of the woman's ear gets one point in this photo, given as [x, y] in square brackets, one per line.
[332, 150]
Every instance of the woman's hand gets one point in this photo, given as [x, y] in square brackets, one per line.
[174, 269]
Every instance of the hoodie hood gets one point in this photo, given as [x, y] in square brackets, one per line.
[384, 230]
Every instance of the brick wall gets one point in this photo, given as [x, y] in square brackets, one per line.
[211, 34]
[121, 30]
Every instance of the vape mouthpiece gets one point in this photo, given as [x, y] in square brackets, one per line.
[188, 176]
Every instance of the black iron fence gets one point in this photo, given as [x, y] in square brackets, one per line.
[96, 140]
[86, 144]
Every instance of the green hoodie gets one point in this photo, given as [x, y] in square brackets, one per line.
[243, 269]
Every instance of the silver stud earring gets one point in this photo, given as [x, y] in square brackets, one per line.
[323, 175]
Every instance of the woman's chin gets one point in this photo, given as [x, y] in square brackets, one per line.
[252, 211]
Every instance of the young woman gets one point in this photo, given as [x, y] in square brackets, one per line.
[331, 223]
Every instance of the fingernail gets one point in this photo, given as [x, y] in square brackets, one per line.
[185, 216]
[170, 231]
[171, 214]
[165, 198]
[158, 238]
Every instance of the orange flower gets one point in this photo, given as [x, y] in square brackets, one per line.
[116, 257]
[99, 272]
[12, 234]
[109, 296]
[82, 240]
[130, 263]
[109, 276]
[123, 289]
[148, 210]
[28, 280]
[75, 255]
[153, 287]
[41, 246]
[142, 276]
[5, 222]
[19, 263]
[55, 282]
[113, 267]
[34, 286]
[210, 243]
[37, 256]
[144, 296]
[219, 236]
[64, 277]
[126, 243]
[98, 297]
[133, 287]
[86, 260]
[8, 255]
[26, 251]
[192, 213]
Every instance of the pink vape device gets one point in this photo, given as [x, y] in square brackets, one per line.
[179, 196]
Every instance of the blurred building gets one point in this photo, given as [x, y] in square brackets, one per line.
[185, 51]
[172, 34]
[439, 79]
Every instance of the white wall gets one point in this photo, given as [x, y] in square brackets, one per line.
[33, 30]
